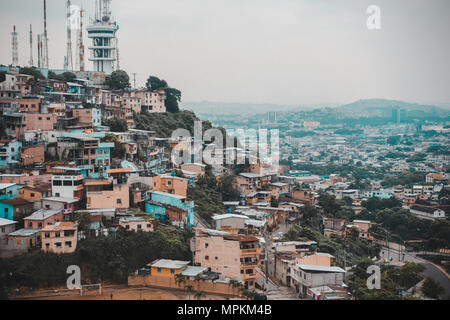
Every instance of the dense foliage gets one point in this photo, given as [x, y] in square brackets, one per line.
[165, 123]
[118, 80]
[100, 259]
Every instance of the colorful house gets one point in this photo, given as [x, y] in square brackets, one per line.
[15, 208]
[9, 190]
[172, 208]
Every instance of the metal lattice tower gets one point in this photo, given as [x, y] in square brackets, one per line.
[15, 47]
[80, 45]
[68, 65]
[45, 63]
[31, 62]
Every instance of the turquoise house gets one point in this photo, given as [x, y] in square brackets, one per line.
[161, 202]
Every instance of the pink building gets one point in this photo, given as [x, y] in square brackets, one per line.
[42, 218]
[60, 237]
[138, 224]
[25, 180]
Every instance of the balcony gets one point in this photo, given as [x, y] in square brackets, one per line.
[249, 276]
[252, 251]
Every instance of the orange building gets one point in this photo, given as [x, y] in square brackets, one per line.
[170, 184]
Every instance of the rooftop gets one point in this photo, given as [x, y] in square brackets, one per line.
[6, 222]
[170, 264]
[61, 199]
[63, 225]
[42, 214]
[16, 202]
[24, 232]
[312, 267]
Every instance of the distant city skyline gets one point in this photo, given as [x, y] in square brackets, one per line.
[291, 52]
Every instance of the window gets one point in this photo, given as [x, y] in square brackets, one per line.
[206, 257]
[119, 201]
[57, 182]
[47, 235]
[127, 227]
[40, 225]
[206, 245]
[68, 244]
[149, 225]
[158, 270]
[32, 195]
[30, 224]
[172, 271]
[68, 183]
[57, 234]
[3, 229]
[139, 226]
[58, 244]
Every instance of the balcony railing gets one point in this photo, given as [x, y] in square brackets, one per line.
[252, 251]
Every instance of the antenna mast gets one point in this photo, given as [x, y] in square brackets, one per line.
[46, 59]
[68, 65]
[31, 47]
[15, 46]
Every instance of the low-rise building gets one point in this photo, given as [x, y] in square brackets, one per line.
[138, 224]
[60, 237]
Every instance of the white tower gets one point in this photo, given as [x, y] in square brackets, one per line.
[102, 31]
[15, 46]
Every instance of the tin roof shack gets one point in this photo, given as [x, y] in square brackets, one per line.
[60, 237]
[22, 240]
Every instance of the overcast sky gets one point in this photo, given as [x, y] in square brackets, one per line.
[265, 51]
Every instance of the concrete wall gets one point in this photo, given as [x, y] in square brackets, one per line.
[167, 282]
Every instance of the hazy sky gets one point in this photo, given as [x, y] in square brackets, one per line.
[261, 51]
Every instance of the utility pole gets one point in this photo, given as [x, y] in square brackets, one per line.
[68, 65]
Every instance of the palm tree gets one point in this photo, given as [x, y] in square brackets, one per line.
[189, 290]
[179, 279]
[235, 284]
[199, 295]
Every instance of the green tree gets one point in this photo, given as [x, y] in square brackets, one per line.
[119, 149]
[116, 125]
[432, 289]
[173, 97]
[119, 80]
[154, 83]
[199, 295]
[32, 72]
[189, 290]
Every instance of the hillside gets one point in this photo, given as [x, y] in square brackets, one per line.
[383, 107]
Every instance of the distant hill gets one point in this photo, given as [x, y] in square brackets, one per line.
[209, 107]
[382, 107]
